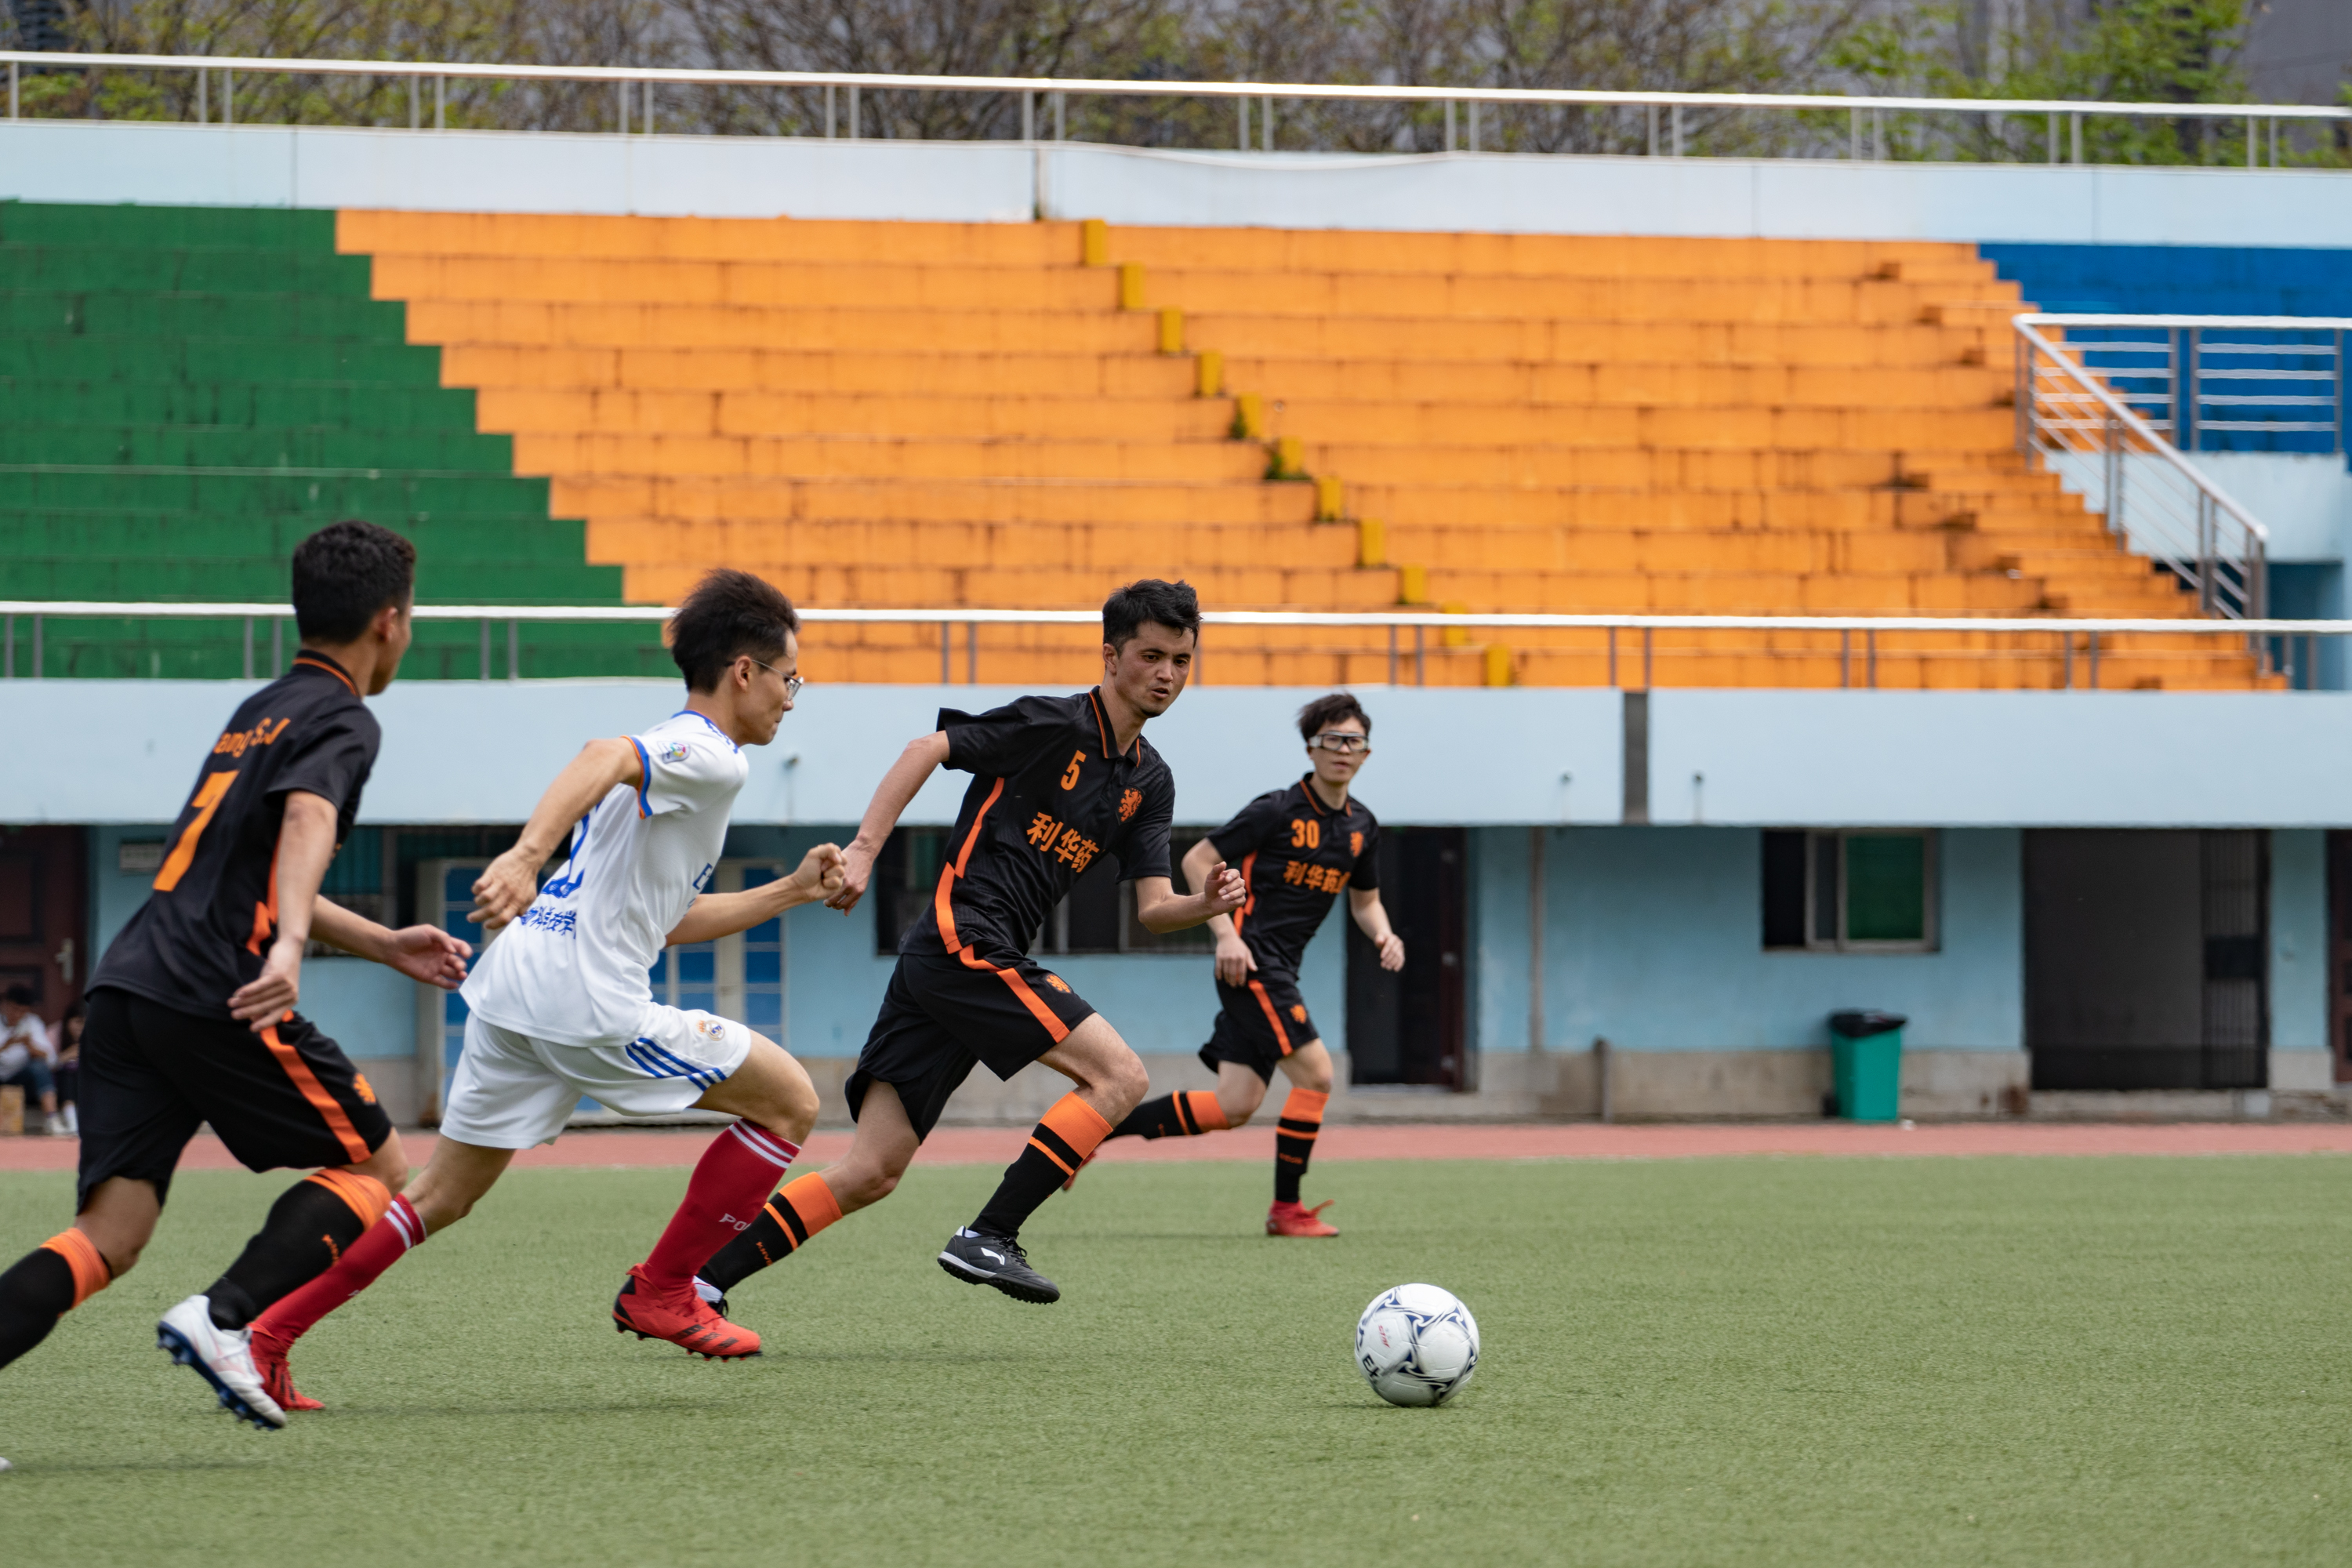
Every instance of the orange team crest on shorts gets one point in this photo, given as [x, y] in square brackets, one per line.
[1355, 844]
[1129, 802]
[1058, 984]
[365, 1090]
[1298, 1012]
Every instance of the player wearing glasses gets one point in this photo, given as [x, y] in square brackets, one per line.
[1299, 848]
[560, 1004]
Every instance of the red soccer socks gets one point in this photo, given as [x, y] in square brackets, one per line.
[723, 1199]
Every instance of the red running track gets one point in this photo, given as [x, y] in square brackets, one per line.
[1440, 1141]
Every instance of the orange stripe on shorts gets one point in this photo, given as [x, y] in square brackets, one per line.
[1281, 1034]
[316, 1093]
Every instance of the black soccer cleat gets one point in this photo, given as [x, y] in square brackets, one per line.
[978, 1258]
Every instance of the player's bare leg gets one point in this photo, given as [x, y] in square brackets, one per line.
[1111, 1082]
[878, 1156]
[1308, 1068]
[778, 1105]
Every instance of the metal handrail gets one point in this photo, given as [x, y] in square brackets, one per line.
[2189, 346]
[1500, 620]
[1155, 88]
[2230, 583]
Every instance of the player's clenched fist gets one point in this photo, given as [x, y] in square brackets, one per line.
[822, 871]
[857, 867]
[505, 889]
[1227, 891]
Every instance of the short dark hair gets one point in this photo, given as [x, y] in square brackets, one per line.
[1171, 604]
[22, 996]
[344, 574]
[727, 615]
[1325, 712]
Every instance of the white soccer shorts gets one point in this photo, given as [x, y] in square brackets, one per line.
[511, 1091]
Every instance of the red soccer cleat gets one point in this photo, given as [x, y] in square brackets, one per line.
[1295, 1219]
[269, 1360]
[687, 1321]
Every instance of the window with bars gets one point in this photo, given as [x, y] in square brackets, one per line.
[1850, 889]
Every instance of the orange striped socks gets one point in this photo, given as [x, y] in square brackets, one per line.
[804, 1206]
[45, 1285]
[1293, 1140]
[90, 1273]
[1059, 1145]
[1183, 1115]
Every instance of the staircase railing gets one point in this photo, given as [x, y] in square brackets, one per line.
[2089, 435]
[2219, 383]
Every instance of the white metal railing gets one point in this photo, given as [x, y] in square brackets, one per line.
[2291, 645]
[2152, 495]
[634, 86]
[2195, 378]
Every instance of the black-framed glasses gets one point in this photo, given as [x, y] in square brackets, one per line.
[1346, 742]
[792, 683]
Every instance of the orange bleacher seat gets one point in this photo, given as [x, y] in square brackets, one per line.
[919, 415]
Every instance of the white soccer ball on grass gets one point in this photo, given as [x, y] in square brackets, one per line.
[1417, 1345]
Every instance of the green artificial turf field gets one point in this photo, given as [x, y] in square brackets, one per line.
[1799, 1361]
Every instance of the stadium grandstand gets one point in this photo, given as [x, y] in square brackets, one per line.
[1431, 400]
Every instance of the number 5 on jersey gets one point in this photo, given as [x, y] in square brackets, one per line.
[1070, 779]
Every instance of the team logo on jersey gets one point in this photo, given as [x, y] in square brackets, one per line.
[711, 1029]
[674, 752]
[1355, 844]
[1129, 802]
[365, 1090]
[1298, 1012]
[1058, 984]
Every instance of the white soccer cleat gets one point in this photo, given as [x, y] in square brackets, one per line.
[222, 1357]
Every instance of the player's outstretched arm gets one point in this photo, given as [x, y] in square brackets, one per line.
[1372, 919]
[905, 780]
[305, 842]
[510, 882]
[1235, 961]
[421, 952]
[1162, 909]
[714, 915]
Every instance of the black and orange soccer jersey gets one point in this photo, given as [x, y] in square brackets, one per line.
[1295, 854]
[206, 927]
[1049, 795]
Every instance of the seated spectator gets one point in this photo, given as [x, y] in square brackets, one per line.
[24, 1053]
[67, 1071]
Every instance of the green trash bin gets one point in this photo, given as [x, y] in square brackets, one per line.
[1866, 1065]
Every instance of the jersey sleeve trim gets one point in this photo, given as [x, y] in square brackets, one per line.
[645, 776]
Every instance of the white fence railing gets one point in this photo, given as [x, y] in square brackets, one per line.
[2288, 645]
[636, 105]
[2222, 383]
[2152, 495]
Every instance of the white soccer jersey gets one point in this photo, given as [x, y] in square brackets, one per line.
[571, 968]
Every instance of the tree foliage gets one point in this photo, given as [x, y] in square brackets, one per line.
[2164, 50]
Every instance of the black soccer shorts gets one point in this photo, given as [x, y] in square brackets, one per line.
[1259, 1024]
[286, 1099]
[946, 1012]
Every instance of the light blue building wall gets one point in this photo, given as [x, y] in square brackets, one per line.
[1653, 938]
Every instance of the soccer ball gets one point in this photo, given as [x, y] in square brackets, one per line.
[1417, 1345]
